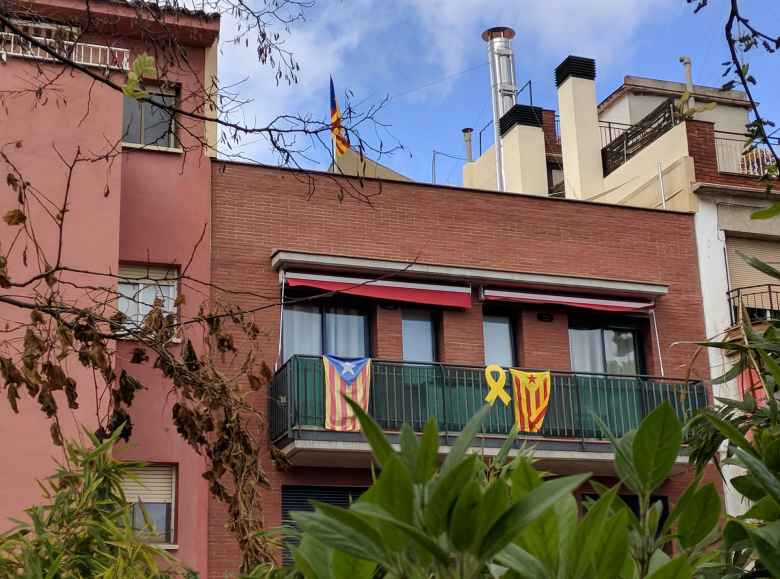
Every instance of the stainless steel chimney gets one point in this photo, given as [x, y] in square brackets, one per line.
[467, 133]
[503, 85]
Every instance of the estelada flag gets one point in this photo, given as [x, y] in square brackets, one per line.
[340, 137]
[531, 397]
[350, 377]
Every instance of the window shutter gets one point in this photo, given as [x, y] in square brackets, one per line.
[150, 484]
[142, 272]
[742, 275]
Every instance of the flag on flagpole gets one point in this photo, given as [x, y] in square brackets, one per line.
[532, 397]
[350, 377]
[340, 137]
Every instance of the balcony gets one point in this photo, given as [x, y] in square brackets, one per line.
[96, 55]
[411, 393]
[736, 153]
[761, 302]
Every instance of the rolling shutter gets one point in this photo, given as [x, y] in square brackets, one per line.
[150, 484]
[298, 497]
[742, 275]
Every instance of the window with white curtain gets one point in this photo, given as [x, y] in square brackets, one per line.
[140, 287]
[603, 348]
[333, 329]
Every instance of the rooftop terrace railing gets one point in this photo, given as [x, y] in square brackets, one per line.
[737, 153]
[412, 393]
[97, 55]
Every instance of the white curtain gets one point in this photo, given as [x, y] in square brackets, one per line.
[587, 350]
[345, 332]
[302, 331]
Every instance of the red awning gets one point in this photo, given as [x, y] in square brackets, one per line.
[399, 291]
[601, 304]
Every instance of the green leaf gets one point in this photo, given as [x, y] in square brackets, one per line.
[677, 568]
[682, 503]
[656, 446]
[416, 535]
[764, 510]
[462, 444]
[428, 452]
[525, 477]
[700, 517]
[464, 515]
[762, 474]
[506, 447]
[342, 529]
[445, 492]
[344, 565]
[522, 563]
[589, 542]
[311, 558]
[373, 433]
[729, 431]
[393, 490]
[748, 487]
[409, 446]
[614, 546]
[525, 511]
[767, 213]
[766, 541]
[495, 500]
[760, 265]
[624, 460]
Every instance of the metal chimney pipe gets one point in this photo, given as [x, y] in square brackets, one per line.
[503, 85]
[467, 140]
[686, 62]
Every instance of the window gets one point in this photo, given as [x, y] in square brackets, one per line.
[139, 288]
[499, 340]
[333, 329]
[604, 349]
[148, 124]
[418, 329]
[151, 490]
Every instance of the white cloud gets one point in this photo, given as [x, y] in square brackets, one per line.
[376, 46]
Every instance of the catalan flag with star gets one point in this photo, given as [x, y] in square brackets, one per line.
[340, 137]
[345, 377]
[532, 397]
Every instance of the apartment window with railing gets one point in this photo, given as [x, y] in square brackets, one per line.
[150, 123]
[605, 347]
[339, 329]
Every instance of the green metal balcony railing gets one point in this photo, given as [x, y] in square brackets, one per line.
[412, 393]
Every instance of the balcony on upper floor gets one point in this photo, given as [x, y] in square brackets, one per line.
[739, 154]
[760, 302]
[85, 54]
[412, 393]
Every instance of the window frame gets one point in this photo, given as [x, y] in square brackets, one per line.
[156, 91]
[435, 334]
[511, 316]
[171, 531]
[613, 323]
[142, 283]
[338, 302]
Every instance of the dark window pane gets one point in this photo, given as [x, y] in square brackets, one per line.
[497, 333]
[419, 336]
[158, 122]
[302, 331]
[155, 527]
[620, 349]
[345, 332]
[131, 120]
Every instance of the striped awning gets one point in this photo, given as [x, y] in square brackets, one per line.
[588, 303]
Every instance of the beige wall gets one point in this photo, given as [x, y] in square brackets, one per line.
[209, 84]
[580, 138]
[636, 182]
[481, 173]
[350, 163]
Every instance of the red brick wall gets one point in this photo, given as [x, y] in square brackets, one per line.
[258, 210]
[701, 146]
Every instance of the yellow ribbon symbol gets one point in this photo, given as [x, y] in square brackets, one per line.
[496, 385]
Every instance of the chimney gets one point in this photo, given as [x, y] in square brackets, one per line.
[503, 85]
[467, 133]
[580, 138]
[522, 136]
[686, 62]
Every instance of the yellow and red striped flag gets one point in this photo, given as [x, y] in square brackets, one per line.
[532, 397]
[340, 137]
[350, 377]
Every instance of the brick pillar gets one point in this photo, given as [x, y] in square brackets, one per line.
[701, 146]
[386, 337]
[461, 340]
[544, 344]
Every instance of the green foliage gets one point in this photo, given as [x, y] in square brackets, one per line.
[85, 529]
[143, 67]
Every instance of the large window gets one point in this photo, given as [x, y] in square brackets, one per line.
[147, 123]
[151, 490]
[499, 340]
[418, 328]
[140, 287]
[315, 330]
[604, 348]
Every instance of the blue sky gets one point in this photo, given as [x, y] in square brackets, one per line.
[416, 52]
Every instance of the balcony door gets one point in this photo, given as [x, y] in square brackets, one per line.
[606, 358]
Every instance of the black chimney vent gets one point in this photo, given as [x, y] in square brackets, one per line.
[520, 115]
[576, 66]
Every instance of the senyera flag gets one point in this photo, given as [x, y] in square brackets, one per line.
[531, 397]
[340, 137]
[345, 377]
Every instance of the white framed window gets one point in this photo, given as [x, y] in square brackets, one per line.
[147, 123]
[151, 489]
[140, 286]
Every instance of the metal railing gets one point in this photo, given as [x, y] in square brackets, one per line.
[412, 393]
[81, 53]
[761, 302]
[640, 135]
[738, 153]
[611, 131]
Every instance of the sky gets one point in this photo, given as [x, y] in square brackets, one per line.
[428, 59]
